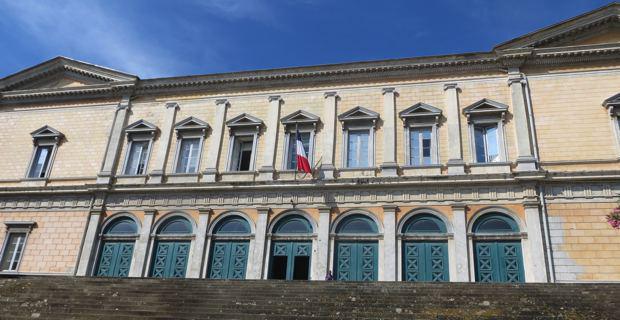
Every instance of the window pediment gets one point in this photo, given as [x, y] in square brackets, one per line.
[141, 126]
[612, 104]
[191, 124]
[244, 120]
[486, 108]
[420, 110]
[300, 117]
[358, 113]
[46, 132]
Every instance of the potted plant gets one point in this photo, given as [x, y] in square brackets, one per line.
[613, 218]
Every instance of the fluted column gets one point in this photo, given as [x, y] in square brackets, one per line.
[115, 140]
[161, 157]
[329, 135]
[525, 155]
[265, 172]
[214, 150]
[389, 168]
[456, 165]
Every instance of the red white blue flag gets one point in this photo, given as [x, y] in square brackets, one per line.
[303, 164]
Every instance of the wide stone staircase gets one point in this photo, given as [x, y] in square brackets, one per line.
[38, 297]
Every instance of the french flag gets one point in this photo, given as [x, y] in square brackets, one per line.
[303, 164]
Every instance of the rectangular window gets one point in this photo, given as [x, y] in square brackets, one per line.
[188, 155]
[357, 149]
[487, 143]
[41, 161]
[241, 158]
[13, 250]
[291, 162]
[420, 146]
[138, 158]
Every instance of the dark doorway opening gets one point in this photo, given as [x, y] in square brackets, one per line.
[302, 268]
[278, 267]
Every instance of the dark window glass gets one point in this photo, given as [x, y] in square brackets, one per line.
[176, 225]
[233, 225]
[292, 148]
[496, 223]
[425, 223]
[357, 224]
[293, 224]
[13, 251]
[122, 226]
[136, 162]
[40, 162]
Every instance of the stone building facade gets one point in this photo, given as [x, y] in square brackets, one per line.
[494, 166]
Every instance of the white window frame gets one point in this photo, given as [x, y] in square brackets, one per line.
[16, 227]
[421, 115]
[371, 143]
[128, 153]
[44, 137]
[290, 134]
[139, 131]
[500, 137]
[190, 128]
[237, 134]
[614, 113]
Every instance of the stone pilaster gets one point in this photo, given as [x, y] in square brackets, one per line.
[321, 258]
[198, 249]
[389, 168]
[536, 268]
[161, 157]
[115, 140]
[456, 165]
[258, 255]
[525, 155]
[87, 254]
[460, 271]
[215, 141]
[265, 172]
[141, 249]
[329, 135]
[389, 243]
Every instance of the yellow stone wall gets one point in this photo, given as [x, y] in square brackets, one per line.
[53, 245]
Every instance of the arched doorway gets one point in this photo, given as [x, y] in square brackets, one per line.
[497, 249]
[171, 250]
[291, 249]
[229, 248]
[356, 254]
[425, 249]
[117, 242]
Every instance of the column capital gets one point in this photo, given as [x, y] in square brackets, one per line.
[390, 208]
[204, 211]
[515, 78]
[330, 94]
[124, 103]
[448, 86]
[172, 105]
[388, 90]
[263, 210]
[220, 102]
[274, 98]
[150, 212]
[325, 209]
[458, 206]
[95, 212]
[530, 204]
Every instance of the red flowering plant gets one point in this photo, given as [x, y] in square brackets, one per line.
[613, 218]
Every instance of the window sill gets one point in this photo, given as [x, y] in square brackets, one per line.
[129, 179]
[357, 172]
[34, 182]
[182, 178]
[489, 168]
[424, 170]
[238, 176]
[289, 175]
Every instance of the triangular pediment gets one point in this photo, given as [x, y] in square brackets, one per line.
[300, 117]
[141, 126]
[485, 106]
[358, 113]
[191, 123]
[600, 26]
[420, 109]
[46, 132]
[612, 101]
[61, 72]
[244, 120]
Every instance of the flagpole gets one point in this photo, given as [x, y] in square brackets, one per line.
[296, 160]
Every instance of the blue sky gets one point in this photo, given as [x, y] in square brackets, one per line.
[174, 38]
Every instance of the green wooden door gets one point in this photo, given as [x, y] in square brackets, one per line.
[290, 260]
[228, 260]
[356, 261]
[425, 261]
[170, 259]
[499, 261]
[115, 259]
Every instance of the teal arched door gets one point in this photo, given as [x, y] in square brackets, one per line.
[172, 247]
[497, 259]
[229, 249]
[117, 248]
[356, 260]
[291, 249]
[424, 259]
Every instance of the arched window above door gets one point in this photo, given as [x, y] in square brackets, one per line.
[495, 223]
[175, 225]
[357, 224]
[293, 224]
[232, 225]
[424, 223]
[121, 226]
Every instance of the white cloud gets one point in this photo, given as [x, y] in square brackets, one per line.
[85, 29]
[238, 9]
